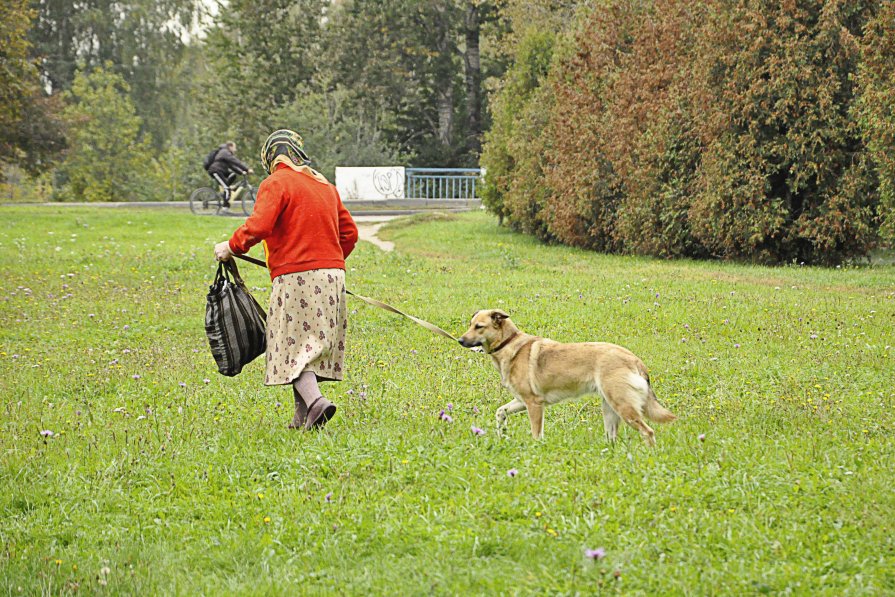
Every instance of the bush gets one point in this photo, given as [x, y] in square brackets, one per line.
[746, 130]
[514, 147]
[106, 160]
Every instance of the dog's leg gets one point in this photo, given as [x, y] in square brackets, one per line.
[634, 418]
[610, 421]
[536, 417]
[510, 408]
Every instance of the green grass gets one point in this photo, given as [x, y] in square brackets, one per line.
[149, 487]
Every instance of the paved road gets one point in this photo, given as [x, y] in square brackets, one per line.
[365, 208]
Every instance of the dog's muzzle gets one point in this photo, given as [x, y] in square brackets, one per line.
[467, 344]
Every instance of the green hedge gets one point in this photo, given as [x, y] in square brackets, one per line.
[738, 130]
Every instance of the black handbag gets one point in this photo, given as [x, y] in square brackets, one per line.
[234, 321]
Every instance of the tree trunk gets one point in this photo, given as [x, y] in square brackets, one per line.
[473, 80]
[445, 95]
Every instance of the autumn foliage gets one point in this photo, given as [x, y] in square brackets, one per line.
[739, 130]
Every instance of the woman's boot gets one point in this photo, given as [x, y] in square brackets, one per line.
[319, 412]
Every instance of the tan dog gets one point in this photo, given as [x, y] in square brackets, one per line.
[538, 372]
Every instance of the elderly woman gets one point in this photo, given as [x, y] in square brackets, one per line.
[307, 233]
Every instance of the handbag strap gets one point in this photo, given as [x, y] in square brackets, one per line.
[230, 267]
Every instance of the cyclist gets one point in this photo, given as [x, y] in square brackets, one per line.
[223, 166]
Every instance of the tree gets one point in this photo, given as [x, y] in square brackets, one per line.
[107, 159]
[143, 41]
[714, 128]
[30, 132]
[875, 108]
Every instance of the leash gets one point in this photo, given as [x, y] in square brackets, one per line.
[422, 322]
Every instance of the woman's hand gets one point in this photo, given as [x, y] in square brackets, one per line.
[222, 251]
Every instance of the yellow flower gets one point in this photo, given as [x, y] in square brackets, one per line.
[267, 520]
[260, 496]
[538, 514]
[58, 562]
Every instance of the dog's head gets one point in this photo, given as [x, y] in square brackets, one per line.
[488, 328]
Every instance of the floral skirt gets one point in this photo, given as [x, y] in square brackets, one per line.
[306, 326]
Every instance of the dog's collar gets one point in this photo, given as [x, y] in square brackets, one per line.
[504, 343]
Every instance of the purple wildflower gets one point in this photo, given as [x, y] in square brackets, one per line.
[475, 409]
[736, 345]
[595, 554]
[701, 437]
[182, 384]
[329, 497]
[47, 433]
[450, 407]
[478, 430]
[206, 380]
[135, 376]
[512, 472]
[813, 336]
[126, 328]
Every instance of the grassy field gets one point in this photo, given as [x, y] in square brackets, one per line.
[161, 476]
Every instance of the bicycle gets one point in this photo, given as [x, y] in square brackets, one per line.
[208, 202]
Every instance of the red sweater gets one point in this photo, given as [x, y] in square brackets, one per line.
[302, 222]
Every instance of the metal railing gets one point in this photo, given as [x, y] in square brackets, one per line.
[442, 184]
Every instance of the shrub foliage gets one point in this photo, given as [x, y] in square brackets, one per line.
[750, 130]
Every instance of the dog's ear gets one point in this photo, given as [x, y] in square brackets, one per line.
[497, 316]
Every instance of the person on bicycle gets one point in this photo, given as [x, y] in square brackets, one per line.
[223, 166]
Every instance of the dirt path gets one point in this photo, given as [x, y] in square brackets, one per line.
[368, 227]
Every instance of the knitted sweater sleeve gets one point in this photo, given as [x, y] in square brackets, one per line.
[258, 226]
[347, 230]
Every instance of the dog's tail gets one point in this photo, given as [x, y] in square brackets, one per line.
[655, 411]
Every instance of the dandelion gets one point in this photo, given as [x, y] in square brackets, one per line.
[267, 520]
[595, 554]
[260, 496]
[47, 433]
[58, 562]
[512, 472]
[329, 497]
[478, 430]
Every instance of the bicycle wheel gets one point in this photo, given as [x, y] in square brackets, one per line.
[205, 202]
[248, 200]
